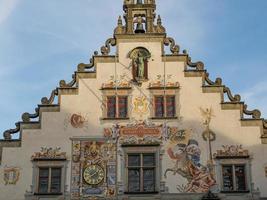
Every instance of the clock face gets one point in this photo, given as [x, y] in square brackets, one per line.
[93, 174]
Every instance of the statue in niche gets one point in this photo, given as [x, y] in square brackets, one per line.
[140, 58]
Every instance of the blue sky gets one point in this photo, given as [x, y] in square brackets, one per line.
[41, 42]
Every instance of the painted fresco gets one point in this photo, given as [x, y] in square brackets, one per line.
[77, 121]
[186, 154]
[93, 169]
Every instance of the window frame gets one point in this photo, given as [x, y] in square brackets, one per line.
[234, 177]
[229, 161]
[117, 105]
[141, 149]
[49, 185]
[38, 164]
[165, 112]
[120, 92]
[141, 169]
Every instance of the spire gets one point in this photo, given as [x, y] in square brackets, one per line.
[139, 16]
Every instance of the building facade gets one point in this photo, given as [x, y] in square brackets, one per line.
[143, 123]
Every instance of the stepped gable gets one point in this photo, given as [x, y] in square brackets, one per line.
[126, 31]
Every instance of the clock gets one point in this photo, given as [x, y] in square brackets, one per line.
[93, 174]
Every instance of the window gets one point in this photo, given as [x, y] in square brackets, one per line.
[234, 178]
[117, 106]
[164, 106]
[141, 170]
[49, 180]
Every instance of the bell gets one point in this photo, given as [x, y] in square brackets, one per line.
[139, 2]
[139, 28]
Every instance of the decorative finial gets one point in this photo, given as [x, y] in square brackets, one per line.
[119, 21]
[159, 20]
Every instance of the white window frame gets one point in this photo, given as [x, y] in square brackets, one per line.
[142, 149]
[230, 162]
[37, 164]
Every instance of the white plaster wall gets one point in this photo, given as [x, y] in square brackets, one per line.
[54, 132]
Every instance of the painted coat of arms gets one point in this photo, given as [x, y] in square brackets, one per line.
[140, 105]
[11, 175]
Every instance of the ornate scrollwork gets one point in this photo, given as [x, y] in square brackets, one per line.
[26, 117]
[82, 67]
[174, 48]
[265, 124]
[231, 151]
[63, 83]
[236, 98]
[218, 81]
[8, 133]
[105, 50]
[46, 101]
[197, 65]
[256, 114]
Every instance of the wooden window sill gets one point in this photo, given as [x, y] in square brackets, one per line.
[140, 193]
[235, 192]
[116, 118]
[163, 118]
[48, 194]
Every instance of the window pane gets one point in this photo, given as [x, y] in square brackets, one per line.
[55, 180]
[148, 160]
[149, 180]
[134, 160]
[227, 178]
[43, 180]
[170, 106]
[159, 106]
[123, 104]
[111, 107]
[134, 180]
[240, 178]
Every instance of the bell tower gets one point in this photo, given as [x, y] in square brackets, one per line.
[139, 16]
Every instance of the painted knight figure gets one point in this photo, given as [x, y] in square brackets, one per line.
[137, 125]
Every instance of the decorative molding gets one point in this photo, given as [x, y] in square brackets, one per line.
[26, 117]
[49, 154]
[46, 101]
[105, 50]
[8, 133]
[236, 98]
[173, 47]
[217, 82]
[82, 67]
[198, 66]
[256, 114]
[231, 151]
[63, 83]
